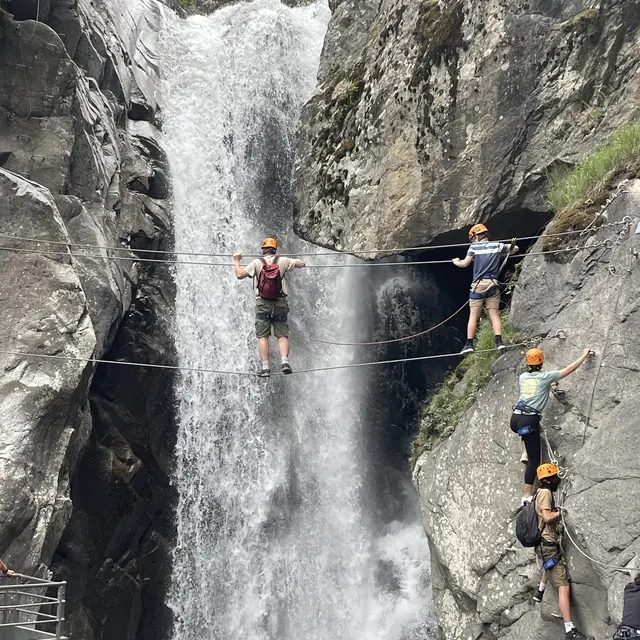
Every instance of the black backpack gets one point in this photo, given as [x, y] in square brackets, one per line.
[527, 530]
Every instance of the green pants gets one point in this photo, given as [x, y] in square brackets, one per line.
[272, 313]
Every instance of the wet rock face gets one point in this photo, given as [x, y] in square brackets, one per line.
[470, 485]
[430, 116]
[88, 449]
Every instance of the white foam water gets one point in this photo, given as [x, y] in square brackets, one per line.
[273, 538]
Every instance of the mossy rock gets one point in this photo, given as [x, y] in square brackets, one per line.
[582, 18]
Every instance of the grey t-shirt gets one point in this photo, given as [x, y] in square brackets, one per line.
[535, 387]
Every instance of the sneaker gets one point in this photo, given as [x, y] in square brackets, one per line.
[524, 458]
[286, 368]
[574, 634]
[500, 345]
[264, 373]
[538, 595]
[468, 348]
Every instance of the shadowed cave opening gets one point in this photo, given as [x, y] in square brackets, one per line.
[425, 294]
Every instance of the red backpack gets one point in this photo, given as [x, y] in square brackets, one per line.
[270, 281]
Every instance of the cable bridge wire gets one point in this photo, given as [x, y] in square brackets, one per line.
[397, 250]
[98, 256]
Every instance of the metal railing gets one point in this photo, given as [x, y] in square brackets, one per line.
[29, 610]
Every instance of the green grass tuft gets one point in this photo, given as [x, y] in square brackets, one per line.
[185, 3]
[576, 194]
[458, 392]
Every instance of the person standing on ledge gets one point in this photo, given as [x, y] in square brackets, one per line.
[6, 570]
[485, 289]
[272, 307]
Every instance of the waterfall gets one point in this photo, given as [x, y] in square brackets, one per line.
[275, 535]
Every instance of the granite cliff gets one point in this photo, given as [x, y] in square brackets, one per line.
[86, 447]
[430, 116]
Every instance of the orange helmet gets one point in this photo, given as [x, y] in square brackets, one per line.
[269, 243]
[547, 471]
[476, 230]
[535, 356]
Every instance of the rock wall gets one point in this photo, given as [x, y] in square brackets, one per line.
[86, 450]
[432, 115]
[470, 485]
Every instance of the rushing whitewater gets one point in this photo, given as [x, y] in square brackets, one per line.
[274, 537]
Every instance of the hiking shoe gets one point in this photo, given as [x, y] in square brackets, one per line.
[286, 368]
[468, 348]
[524, 458]
[574, 634]
[264, 373]
[538, 595]
[500, 345]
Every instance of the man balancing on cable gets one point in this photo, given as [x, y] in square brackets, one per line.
[535, 387]
[272, 307]
[550, 550]
[487, 258]
[630, 625]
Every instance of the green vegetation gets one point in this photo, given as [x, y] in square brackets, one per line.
[439, 28]
[581, 18]
[458, 392]
[576, 195]
[185, 3]
[4, 13]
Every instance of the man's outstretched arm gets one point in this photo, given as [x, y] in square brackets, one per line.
[241, 274]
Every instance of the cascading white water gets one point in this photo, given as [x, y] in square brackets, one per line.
[273, 538]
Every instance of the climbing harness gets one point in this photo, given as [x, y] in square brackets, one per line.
[269, 316]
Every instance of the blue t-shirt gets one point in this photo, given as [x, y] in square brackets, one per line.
[535, 387]
[486, 259]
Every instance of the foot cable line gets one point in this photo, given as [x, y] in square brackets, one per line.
[299, 255]
[80, 256]
[169, 367]
[380, 342]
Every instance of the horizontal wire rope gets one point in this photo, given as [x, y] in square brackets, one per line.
[242, 373]
[320, 253]
[379, 342]
[309, 266]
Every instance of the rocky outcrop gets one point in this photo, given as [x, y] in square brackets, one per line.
[87, 449]
[432, 115]
[470, 484]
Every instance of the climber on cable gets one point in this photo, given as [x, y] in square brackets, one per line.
[550, 549]
[272, 307]
[485, 289]
[630, 625]
[535, 387]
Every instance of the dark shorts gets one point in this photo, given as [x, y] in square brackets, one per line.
[484, 287]
[272, 314]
